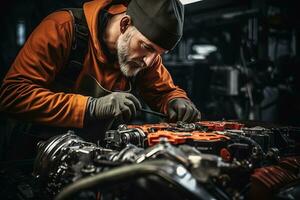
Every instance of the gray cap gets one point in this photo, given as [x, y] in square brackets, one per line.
[161, 21]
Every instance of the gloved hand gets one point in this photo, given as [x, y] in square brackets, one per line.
[114, 105]
[180, 109]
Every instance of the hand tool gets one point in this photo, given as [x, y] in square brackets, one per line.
[153, 113]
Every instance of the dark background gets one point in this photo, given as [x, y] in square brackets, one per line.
[238, 60]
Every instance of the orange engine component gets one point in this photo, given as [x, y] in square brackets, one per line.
[177, 135]
[220, 125]
[183, 137]
[266, 180]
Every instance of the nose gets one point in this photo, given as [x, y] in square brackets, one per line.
[149, 59]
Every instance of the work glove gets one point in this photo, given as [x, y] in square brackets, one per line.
[118, 105]
[180, 109]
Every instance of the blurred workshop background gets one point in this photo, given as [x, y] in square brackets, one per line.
[238, 59]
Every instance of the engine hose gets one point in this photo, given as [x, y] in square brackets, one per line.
[125, 173]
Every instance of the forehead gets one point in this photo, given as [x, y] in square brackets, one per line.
[142, 38]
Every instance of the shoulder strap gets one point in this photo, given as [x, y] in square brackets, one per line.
[79, 48]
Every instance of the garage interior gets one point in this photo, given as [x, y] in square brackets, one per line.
[237, 62]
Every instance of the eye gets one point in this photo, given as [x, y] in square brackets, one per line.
[147, 47]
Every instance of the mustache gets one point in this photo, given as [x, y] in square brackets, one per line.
[136, 64]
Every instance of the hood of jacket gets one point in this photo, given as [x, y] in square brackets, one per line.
[91, 12]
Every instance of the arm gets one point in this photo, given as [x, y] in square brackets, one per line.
[157, 87]
[24, 92]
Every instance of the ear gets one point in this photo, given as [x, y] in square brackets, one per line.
[125, 23]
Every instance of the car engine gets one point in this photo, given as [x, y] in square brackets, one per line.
[201, 160]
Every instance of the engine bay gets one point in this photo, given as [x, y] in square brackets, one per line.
[201, 160]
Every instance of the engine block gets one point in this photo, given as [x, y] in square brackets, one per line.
[202, 160]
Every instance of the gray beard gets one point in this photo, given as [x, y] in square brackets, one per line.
[128, 68]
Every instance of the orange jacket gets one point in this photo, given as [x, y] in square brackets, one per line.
[26, 93]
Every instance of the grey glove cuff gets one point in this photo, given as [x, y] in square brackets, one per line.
[178, 98]
[89, 115]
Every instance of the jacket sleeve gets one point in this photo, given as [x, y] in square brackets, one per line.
[157, 88]
[25, 92]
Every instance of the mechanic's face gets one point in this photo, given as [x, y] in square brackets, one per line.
[135, 52]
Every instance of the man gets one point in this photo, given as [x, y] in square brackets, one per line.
[124, 42]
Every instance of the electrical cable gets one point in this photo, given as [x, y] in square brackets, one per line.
[121, 174]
